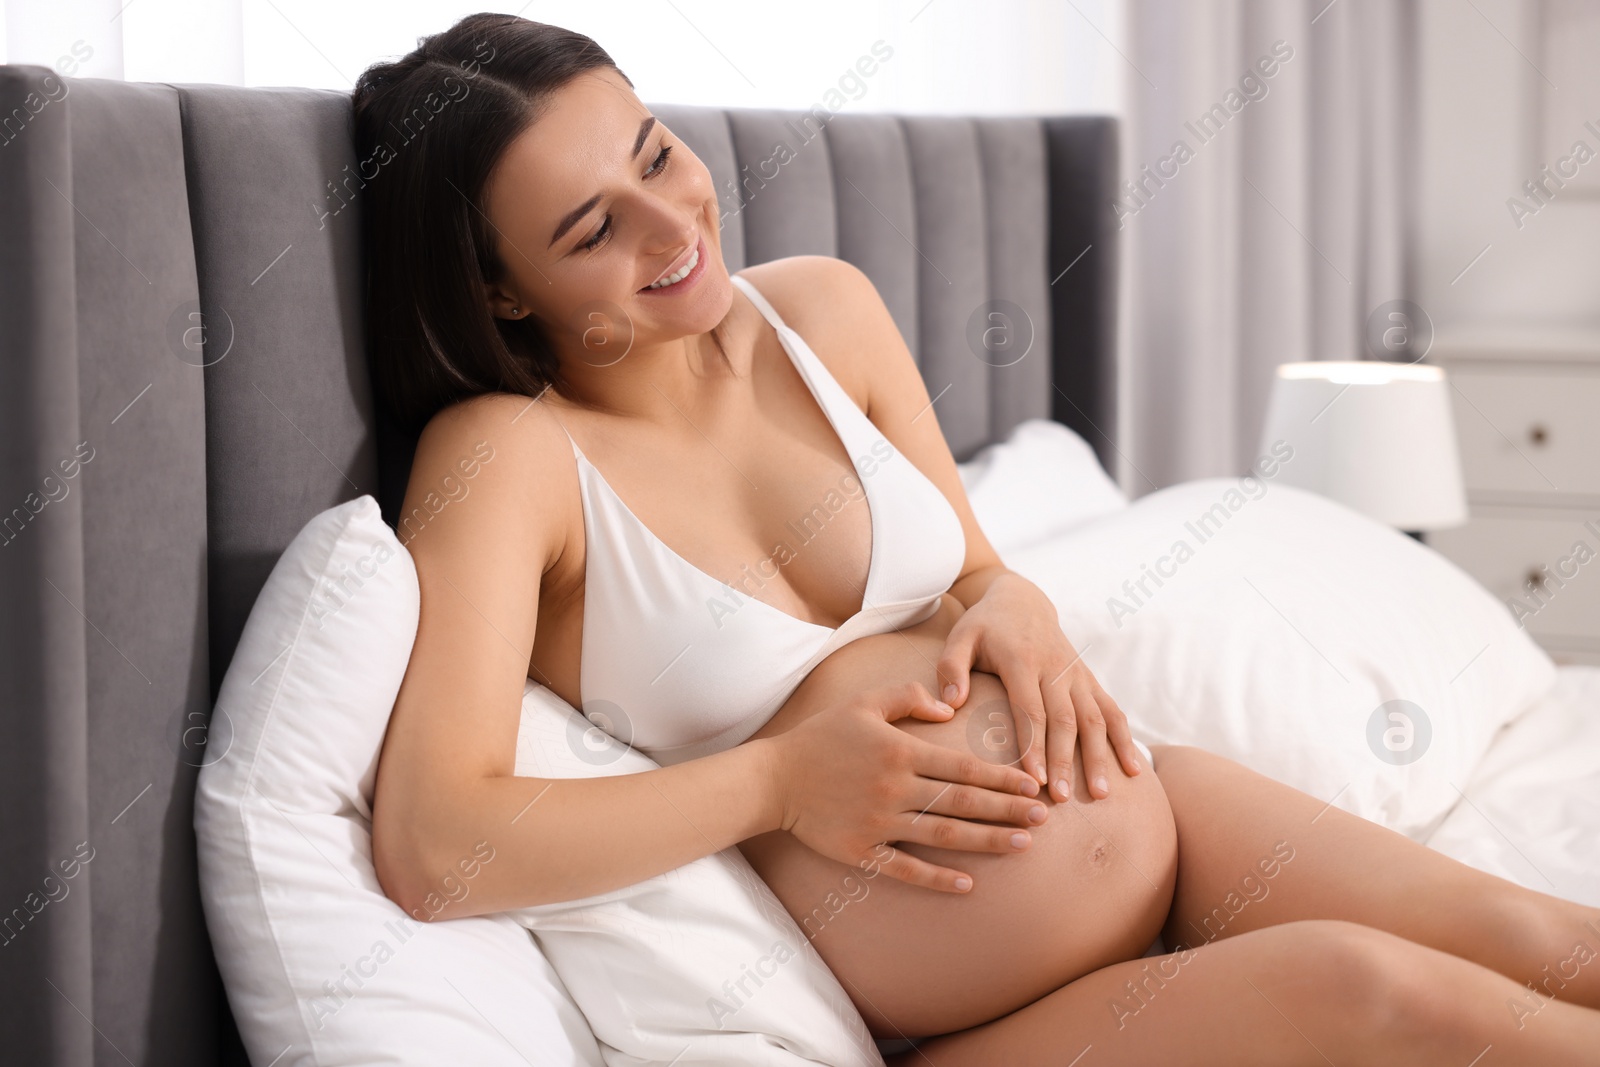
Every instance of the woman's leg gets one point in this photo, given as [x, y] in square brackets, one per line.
[1235, 826]
[1312, 993]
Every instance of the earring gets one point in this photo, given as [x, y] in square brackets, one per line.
[515, 312]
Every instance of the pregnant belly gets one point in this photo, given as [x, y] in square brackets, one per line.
[1093, 888]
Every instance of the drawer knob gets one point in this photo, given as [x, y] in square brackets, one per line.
[1538, 434]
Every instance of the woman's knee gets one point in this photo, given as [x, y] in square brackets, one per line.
[1392, 988]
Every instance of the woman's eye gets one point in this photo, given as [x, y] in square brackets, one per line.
[660, 163]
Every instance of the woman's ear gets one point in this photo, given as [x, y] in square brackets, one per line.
[503, 305]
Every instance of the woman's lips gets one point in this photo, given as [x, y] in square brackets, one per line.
[698, 253]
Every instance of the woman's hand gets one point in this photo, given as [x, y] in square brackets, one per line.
[1013, 631]
[849, 781]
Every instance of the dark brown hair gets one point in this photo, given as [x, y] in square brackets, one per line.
[429, 129]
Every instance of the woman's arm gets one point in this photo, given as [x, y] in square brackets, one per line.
[1012, 630]
[457, 833]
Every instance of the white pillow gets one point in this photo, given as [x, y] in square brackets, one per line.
[700, 965]
[1042, 480]
[320, 967]
[1275, 627]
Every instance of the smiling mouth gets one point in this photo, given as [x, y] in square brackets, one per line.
[667, 280]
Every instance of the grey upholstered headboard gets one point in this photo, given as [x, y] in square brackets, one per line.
[183, 385]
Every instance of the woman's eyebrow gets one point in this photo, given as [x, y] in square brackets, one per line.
[644, 131]
[571, 218]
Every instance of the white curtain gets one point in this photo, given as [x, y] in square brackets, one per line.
[1284, 225]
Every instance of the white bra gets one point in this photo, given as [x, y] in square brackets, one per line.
[682, 665]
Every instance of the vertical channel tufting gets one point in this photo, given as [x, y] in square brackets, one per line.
[44, 790]
[1082, 163]
[953, 273]
[275, 192]
[877, 211]
[1015, 185]
[785, 184]
[142, 398]
[706, 132]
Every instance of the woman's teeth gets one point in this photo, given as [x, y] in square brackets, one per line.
[683, 272]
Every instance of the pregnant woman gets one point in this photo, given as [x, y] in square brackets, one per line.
[719, 515]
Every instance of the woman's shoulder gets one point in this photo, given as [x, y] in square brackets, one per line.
[833, 305]
[507, 449]
[523, 427]
[804, 287]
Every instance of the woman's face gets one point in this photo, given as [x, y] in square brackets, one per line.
[590, 206]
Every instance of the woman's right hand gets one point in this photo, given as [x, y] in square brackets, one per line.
[849, 781]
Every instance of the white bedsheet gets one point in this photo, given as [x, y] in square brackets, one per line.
[1531, 810]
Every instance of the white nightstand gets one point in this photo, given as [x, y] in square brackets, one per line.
[1527, 412]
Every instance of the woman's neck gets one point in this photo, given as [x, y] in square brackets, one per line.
[662, 383]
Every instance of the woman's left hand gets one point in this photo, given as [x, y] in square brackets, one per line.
[1013, 632]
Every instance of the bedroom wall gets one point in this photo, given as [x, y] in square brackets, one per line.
[1508, 254]
[1504, 93]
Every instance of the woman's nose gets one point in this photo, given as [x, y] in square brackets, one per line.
[669, 225]
[671, 232]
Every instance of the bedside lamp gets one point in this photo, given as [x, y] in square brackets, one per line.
[1377, 437]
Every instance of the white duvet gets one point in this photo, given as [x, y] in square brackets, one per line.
[1284, 631]
[1530, 811]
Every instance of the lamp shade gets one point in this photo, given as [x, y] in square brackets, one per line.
[1377, 437]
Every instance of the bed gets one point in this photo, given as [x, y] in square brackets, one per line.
[183, 335]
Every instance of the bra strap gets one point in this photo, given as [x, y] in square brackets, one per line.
[759, 301]
[576, 451]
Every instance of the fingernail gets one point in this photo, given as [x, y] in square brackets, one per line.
[1036, 813]
[942, 706]
[1019, 840]
[1063, 788]
[963, 883]
[1100, 784]
[950, 691]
